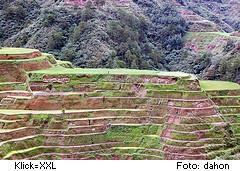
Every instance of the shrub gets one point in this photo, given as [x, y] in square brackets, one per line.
[51, 58]
[100, 2]
[167, 28]
[229, 69]
[68, 54]
[49, 19]
[88, 12]
[15, 12]
[1, 33]
[230, 46]
[56, 40]
[79, 30]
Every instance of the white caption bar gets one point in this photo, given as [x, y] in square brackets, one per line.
[75, 165]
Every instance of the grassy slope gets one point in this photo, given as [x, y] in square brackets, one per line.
[104, 71]
[13, 51]
[53, 112]
[218, 85]
[212, 33]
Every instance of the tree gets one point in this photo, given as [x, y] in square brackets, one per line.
[56, 40]
[79, 30]
[49, 19]
[69, 54]
[15, 12]
[230, 68]
[88, 12]
[1, 33]
[100, 2]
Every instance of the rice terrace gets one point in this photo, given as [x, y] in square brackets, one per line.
[51, 110]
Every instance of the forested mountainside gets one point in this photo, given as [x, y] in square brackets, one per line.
[196, 36]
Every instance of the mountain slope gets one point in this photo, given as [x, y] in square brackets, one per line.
[145, 34]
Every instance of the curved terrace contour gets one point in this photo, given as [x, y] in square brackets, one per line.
[51, 110]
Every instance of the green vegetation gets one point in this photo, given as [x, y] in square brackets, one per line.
[218, 85]
[19, 151]
[208, 35]
[15, 51]
[150, 35]
[40, 118]
[18, 61]
[56, 40]
[117, 113]
[13, 86]
[229, 68]
[15, 12]
[50, 57]
[212, 45]
[65, 71]
[65, 64]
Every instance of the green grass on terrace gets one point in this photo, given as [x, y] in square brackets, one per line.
[210, 34]
[20, 151]
[5, 83]
[225, 34]
[218, 85]
[15, 51]
[39, 112]
[104, 71]
[63, 62]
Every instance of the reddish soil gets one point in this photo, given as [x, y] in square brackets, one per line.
[31, 66]
[18, 133]
[55, 79]
[184, 150]
[139, 90]
[11, 73]
[194, 85]
[40, 86]
[21, 56]
[237, 33]
[145, 79]
[175, 117]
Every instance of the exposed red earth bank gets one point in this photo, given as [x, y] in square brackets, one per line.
[110, 115]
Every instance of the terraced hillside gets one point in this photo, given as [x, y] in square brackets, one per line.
[227, 102]
[56, 111]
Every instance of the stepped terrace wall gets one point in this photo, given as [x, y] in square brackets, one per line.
[124, 132]
[79, 81]
[226, 98]
[29, 64]
[20, 56]
[108, 99]
[43, 134]
[18, 53]
[6, 86]
[68, 84]
[11, 73]
[75, 113]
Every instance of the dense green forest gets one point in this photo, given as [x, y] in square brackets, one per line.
[147, 34]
